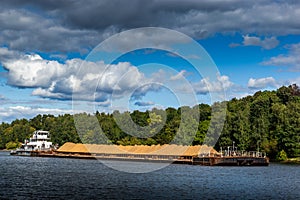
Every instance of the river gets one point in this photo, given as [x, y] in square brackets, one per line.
[58, 178]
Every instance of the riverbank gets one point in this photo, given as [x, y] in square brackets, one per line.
[288, 161]
[292, 161]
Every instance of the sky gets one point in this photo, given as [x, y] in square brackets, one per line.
[60, 57]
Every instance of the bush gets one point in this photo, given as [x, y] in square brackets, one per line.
[12, 145]
[282, 156]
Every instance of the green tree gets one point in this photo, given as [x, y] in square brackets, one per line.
[281, 156]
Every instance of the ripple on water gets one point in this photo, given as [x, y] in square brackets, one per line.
[28, 177]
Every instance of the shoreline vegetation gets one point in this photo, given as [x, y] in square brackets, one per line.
[291, 161]
[267, 121]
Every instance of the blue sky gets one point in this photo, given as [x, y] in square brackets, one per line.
[47, 49]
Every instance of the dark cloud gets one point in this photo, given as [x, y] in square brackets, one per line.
[64, 26]
[144, 89]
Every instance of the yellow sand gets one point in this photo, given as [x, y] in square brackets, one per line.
[167, 149]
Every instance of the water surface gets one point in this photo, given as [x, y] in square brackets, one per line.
[36, 178]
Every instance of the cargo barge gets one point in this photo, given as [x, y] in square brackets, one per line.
[39, 145]
[192, 155]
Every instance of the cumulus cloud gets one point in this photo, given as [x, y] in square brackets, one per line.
[31, 71]
[76, 78]
[63, 26]
[141, 91]
[206, 86]
[261, 83]
[141, 103]
[11, 113]
[291, 60]
[266, 43]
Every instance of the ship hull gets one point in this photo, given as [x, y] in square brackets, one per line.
[206, 160]
[20, 153]
[232, 161]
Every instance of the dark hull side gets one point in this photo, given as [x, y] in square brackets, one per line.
[206, 161]
[29, 153]
[21, 153]
[233, 161]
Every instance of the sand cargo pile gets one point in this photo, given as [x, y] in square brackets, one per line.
[167, 149]
[159, 153]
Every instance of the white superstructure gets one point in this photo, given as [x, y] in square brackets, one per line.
[40, 140]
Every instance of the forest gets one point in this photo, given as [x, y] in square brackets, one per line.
[267, 121]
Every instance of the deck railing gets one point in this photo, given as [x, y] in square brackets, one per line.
[243, 153]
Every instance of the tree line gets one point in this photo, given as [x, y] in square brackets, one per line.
[267, 121]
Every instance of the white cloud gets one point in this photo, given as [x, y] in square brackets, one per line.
[159, 75]
[17, 112]
[178, 76]
[76, 78]
[261, 83]
[291, 60]
[265, 43]
[205, 86]
[31, 71]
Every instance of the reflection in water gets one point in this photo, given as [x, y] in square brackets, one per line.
[29, 177]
